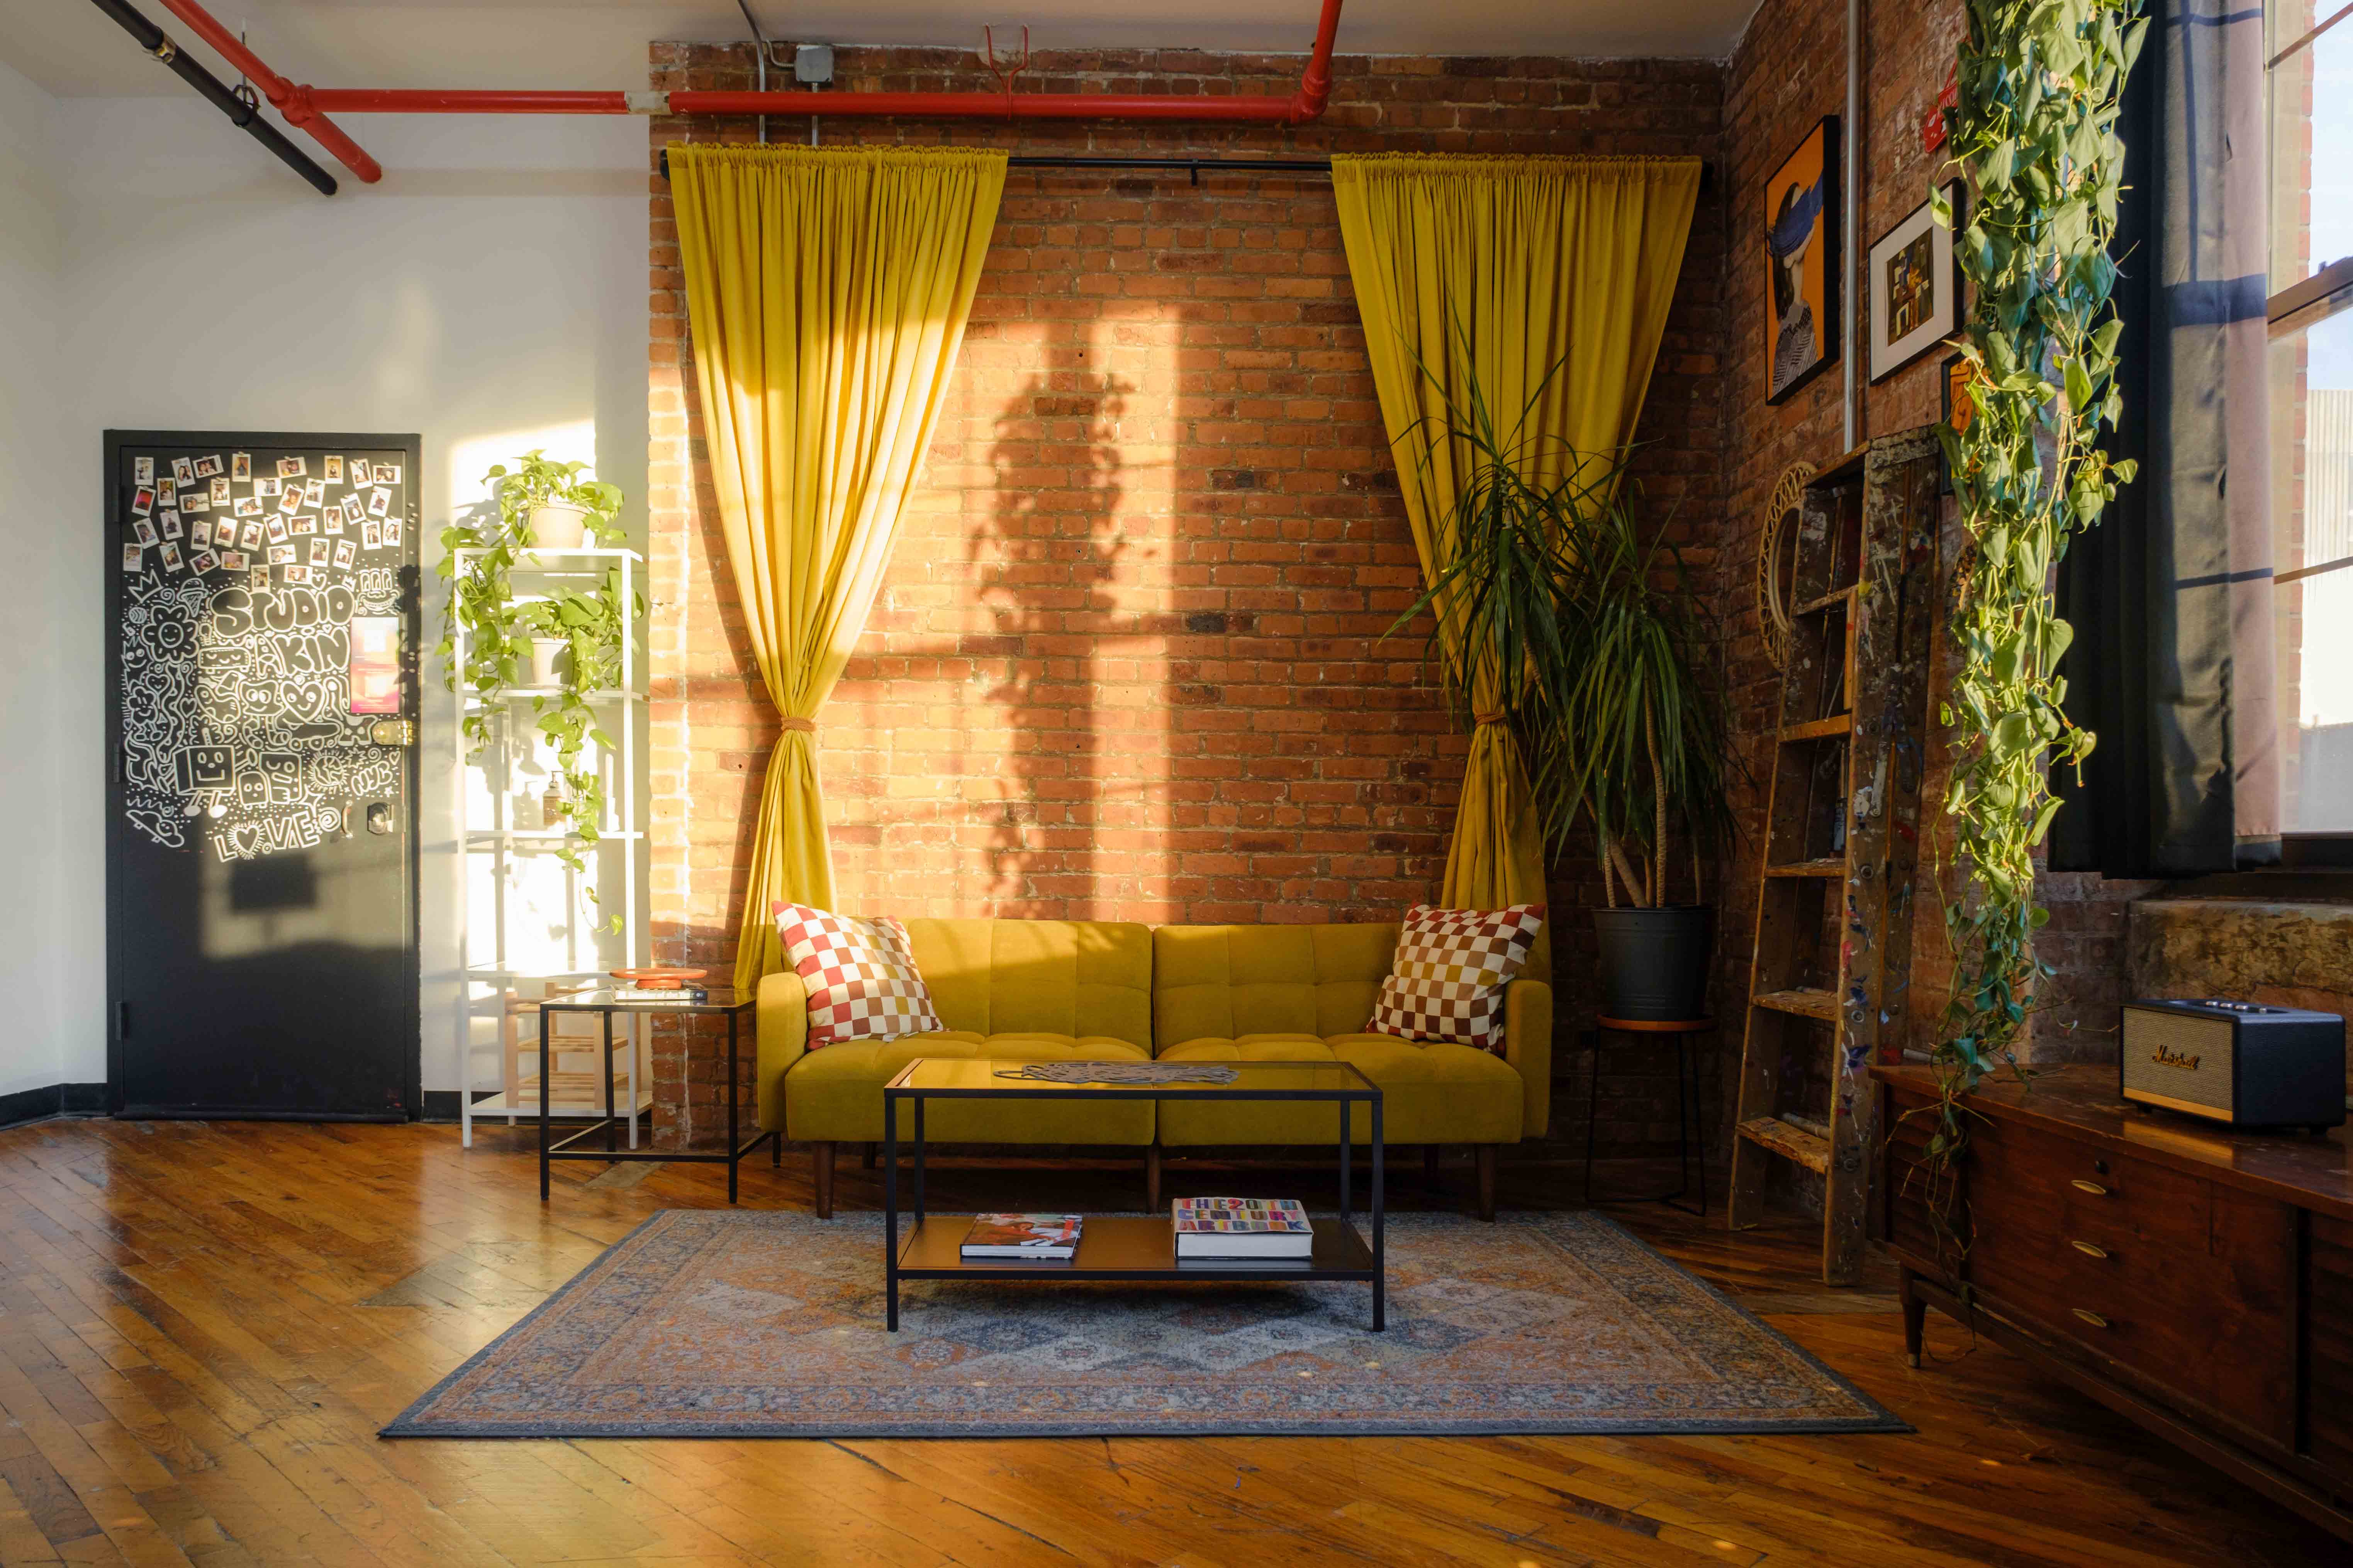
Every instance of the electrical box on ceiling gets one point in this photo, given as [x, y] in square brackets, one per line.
[813, 63]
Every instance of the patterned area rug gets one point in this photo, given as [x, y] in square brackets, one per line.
[710, 1324]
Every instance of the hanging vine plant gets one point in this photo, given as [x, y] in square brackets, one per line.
[2035, 132]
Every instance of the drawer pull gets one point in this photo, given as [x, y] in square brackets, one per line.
[2092, 1318]
[2093, 1188]
[2087, 1250]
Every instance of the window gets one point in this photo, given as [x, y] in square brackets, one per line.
[2310, 88]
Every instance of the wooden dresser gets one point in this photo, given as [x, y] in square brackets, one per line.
[2196, 1280]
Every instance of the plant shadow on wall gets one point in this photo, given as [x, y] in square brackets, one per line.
[1045, 560]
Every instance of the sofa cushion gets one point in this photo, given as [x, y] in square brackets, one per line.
[1076, 978]
[1226, 981]
[836, 1094]
[1452, 965]
[862, 981]
[1430, 1093]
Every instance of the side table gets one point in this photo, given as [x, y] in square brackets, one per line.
[607, 1003]
[1688, 1113]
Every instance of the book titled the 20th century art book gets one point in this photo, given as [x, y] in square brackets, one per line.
[1033, 1237]
[1242, 1229]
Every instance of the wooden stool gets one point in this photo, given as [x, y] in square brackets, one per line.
[1688, 1113]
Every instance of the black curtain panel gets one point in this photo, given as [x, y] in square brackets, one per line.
[2170, 593]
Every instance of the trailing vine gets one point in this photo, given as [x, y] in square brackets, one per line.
[2035, 133]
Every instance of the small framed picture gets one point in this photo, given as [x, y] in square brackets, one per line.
[372, 536]
[391, 531]
[282, 555]
[267, 487]
[1956, 405]
[319, 552]
[218, 490]
[184, 472]
[248, 506]
[292, 501]
[387, 473]
[333, 516]
[168, 520]
[292, 468]
[345, 554]
[1801, 262]
[142, 530]
[354, 508]
[333, 470]
[276, 529]
[240, 466]
[299, 576]
[142, 471]
[1914, 289]
[379, 502]
[143, 501]
[249, 537]
[171, 552]
[233, 559]
[258, 577]
[202, 560]
[306, 523]
[196, 500]
[208, 468]
[132, 557]
[314, 492]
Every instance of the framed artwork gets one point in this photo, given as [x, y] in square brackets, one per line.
[1801, 262]
[1914, 289]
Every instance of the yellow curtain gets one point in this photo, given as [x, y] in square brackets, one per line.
[1488, 272]
[827, 293]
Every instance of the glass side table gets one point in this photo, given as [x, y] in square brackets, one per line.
[620, 1000]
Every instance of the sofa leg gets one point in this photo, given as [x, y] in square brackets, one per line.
[867, 1157]
[821, 1165]
[1485, 1153]
[1152, 1178]
[1429, 1164]
[776, 1148]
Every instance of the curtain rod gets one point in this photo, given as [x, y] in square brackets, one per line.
[1192, 165]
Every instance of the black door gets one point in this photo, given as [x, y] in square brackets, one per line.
[262, 833]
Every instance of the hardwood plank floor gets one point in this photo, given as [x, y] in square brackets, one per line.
[202, 1325]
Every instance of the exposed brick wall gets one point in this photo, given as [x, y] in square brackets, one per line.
[1128, 660]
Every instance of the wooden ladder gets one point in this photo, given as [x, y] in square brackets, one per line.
[1834, 939]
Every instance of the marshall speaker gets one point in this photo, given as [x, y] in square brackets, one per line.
[2236, 1062]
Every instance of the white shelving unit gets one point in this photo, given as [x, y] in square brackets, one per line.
[507, 976]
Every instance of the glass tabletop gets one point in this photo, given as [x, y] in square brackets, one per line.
[980, 1075]
[717, 999]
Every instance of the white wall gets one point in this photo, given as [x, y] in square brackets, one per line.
[51, 879]
[489, 295]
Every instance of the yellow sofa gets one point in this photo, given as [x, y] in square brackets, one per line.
[1029, 991]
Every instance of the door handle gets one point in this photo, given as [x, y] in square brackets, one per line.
[2093, 1319]
[2093, 1188]
[2086, 1248]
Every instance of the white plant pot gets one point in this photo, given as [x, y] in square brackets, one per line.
[558, 527]
[544, 652]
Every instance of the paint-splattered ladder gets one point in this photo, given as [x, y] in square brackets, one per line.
[1828, 985]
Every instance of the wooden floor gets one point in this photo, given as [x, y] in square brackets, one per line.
[203, 1325]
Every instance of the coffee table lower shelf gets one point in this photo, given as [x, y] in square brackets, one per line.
[1132, 1248]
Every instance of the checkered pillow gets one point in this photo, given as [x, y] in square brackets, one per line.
[861, 976]
[1447, 979]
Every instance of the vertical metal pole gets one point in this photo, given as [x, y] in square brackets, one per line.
[919, 1159]
[890, 1209]
[605, 1066]
[1852, 221]
[1380, 1276]
[544, 1019]
[734, 1096]
[1345, 1109]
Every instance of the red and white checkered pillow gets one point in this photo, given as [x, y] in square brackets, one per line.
[860, 973]
[1447, 978]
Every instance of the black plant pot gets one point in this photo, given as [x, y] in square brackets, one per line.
[1654, 961]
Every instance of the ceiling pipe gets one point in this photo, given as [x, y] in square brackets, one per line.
[153, 39]
[293, 102]
[1307, 104]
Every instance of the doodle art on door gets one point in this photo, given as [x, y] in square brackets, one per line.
[239, 724]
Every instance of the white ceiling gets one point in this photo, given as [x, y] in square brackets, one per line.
[72, 50]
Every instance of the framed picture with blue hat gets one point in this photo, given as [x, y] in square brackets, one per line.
[1801, 263]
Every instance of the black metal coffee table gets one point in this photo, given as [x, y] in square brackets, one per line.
[1124, 1247]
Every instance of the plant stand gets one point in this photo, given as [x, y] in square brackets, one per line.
[507, 978]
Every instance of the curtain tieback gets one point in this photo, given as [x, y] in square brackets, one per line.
[1484, 720]
[805, 726]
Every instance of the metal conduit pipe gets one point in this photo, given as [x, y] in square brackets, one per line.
[153, 39]
[293, 102]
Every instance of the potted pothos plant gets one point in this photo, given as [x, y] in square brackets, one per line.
[1563, 612]
[567, 640]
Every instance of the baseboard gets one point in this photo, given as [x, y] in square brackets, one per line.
[441, 1104]
[57, 1100]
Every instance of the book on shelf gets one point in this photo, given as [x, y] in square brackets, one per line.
[1030, 1238]
[1243, 1229]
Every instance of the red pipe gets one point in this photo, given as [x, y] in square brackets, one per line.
[1306, 104]
[294, 102]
